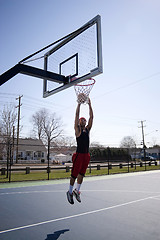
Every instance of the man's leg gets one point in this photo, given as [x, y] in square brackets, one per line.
[80, 179]
[86, 160]
[76, 159]
[74, 173]
[72, 181]
[70, 191]
[76, 192]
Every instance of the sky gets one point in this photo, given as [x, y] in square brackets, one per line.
[124, 95]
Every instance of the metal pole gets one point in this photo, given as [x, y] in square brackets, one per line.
[48, 155]
[128, 158]
[108, 157]
[19, 105]
[144, 147]
[10, 160]
[8, 150]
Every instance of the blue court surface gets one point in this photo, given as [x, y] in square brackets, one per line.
[124, 206]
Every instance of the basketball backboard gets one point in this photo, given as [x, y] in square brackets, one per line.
[77, 57]
[70, 60]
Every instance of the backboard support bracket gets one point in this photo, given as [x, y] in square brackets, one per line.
[61, 76]
[32, 71]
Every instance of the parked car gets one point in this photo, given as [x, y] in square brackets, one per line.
[152, 158]
[149, 158]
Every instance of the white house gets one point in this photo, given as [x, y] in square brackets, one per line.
[31, 150]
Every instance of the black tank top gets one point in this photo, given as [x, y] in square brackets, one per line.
[83, 142]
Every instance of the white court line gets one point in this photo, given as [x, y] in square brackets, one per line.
[96, 190]
[54, 191]
[77, 215]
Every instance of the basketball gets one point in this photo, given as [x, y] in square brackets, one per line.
[82, 98]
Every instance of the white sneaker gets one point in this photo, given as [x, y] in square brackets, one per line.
[77, 195]
[70, 198]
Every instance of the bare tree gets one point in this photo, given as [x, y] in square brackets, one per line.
[37, 120]
[49, 127]
[1, 142]
[65, 141]
[128, 142]
[8, 120]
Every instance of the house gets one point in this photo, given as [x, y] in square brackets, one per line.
[153, 153]
[31, 150]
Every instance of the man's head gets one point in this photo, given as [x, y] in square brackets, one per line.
[82, 122]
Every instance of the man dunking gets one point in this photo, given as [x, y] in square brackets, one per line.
[81, 158]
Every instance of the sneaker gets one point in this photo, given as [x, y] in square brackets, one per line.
[77, 195]
[70, 198]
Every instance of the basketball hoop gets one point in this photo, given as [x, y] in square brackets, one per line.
[83, 90]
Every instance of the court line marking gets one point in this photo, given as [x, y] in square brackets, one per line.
[26, 192]
[78, 215]
[63, 191]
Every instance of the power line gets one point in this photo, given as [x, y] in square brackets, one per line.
[129, 84]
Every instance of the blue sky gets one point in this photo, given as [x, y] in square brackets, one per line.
[127, 91]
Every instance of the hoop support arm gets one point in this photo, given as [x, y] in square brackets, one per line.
[31, 71]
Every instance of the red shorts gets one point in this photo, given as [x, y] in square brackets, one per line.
[80, 164]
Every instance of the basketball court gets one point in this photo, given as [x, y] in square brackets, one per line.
[113, 207]
[122, 206]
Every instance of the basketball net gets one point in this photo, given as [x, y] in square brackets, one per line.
[83, 90]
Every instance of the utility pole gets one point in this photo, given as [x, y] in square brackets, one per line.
[13, 144]
[19, 106]
[143, 141]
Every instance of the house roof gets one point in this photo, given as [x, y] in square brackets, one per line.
[29, 144]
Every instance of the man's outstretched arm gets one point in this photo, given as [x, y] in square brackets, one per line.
[76, 123]
[90, 122]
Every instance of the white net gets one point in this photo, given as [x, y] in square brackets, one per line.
[83, 90]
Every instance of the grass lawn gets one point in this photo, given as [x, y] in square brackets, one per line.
[36, 175]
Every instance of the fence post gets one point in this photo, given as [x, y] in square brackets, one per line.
[98, 167]
[67, 168]
[3, 171]
[108, 157]
[128, 159]
[135, 164]
[120, 165]
[110, 166]
[27, 170]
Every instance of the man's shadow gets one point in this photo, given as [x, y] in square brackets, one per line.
[56, 234]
